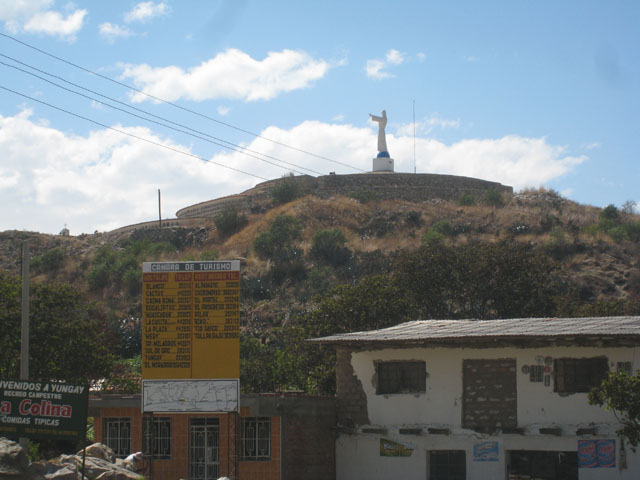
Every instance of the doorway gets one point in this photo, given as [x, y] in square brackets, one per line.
[204, 449]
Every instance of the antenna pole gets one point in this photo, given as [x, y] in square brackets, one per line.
[414, 136]
[159, 211]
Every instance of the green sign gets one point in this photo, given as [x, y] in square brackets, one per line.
[43, 409]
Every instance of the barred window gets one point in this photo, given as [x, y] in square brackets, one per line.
[579, 375]
[117, 435]
[401, 377]
[256, 438]
[157, 437]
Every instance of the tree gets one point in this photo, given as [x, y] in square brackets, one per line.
[278, 238]
[620, 394]
[286, 189]
[328, 246]
[229, 221]
[477, 280]
[69, 337]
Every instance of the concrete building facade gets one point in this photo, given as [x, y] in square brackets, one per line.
[503, 399]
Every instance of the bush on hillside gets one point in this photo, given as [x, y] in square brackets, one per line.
[229, 221]
[466, 199]
[281, 234]
[328, 246]
[50, 261]
[286, 189]
[493, 197]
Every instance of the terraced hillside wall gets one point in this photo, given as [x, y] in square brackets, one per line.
[385, 186]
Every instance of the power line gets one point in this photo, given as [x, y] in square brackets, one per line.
[175, 105]
[233, 147]
[158, 144]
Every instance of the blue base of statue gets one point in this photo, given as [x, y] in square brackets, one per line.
[383, 155]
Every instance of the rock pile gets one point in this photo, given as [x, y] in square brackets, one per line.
[100, 464]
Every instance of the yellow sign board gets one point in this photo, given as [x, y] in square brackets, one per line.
[191, 320]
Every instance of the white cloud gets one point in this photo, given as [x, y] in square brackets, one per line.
[375, 67]
[231, 74]
[51, 22]
[427, 125]
[145, 11]
[106, 180]
[223, 111]
[112, 31]
[15, 13]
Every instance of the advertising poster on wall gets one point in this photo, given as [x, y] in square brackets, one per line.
[596, 453]
[42, 409]
[390, 448]
[485, 452]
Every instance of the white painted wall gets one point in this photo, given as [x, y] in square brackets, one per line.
[358, 455]
[441, 404]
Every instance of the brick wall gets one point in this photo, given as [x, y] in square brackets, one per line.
[489, 396]
[351, 399]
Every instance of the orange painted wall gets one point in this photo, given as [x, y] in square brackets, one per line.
[178, 465]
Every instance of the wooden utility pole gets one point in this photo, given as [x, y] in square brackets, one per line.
[24, 331]
[159, 211]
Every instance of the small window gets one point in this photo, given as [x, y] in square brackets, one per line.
[579, 375]
[256, 439]
[157, 437]
[447, 465]
[542, 465]
[117, 435]
[401, 377]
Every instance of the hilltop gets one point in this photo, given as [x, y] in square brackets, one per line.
[599, 259]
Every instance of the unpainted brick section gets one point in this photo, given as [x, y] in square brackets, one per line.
[351, 399]
[490, 395]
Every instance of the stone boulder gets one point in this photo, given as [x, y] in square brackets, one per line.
[99, 450]
[14, 462]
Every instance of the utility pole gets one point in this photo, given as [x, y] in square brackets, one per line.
[159, 211]
[24, 331]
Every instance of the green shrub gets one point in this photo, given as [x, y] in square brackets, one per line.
[466, 199]
[209, 255]
[610, 212]
[282, 233]
[431, 237]
[444, 227]
[286, 189]
[328, 246]
[618, 234]
[363, 195]
[229, 221]
[414, 218]
[493, 197]
[132, 281]
[49, 261]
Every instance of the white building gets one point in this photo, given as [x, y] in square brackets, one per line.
[483, 399]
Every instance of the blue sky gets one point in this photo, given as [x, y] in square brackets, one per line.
[528, 94]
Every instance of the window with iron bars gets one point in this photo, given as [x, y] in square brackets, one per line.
[117, 435]
[256, 438]
[156, 433]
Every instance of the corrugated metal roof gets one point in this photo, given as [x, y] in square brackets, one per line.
[434, 330]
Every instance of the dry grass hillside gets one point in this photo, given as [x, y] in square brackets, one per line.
[602, 260]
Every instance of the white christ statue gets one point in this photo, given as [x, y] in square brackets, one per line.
[382, 122]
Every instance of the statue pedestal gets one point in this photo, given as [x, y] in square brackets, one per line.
[383, 164]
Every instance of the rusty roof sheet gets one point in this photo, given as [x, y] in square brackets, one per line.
[433, 330]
